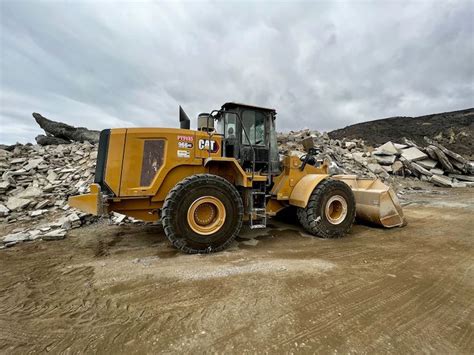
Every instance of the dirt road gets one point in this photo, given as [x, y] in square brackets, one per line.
[113, 289]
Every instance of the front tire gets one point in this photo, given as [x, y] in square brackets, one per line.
[202, 214]
[330, 211]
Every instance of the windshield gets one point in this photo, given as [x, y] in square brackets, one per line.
[254, 124]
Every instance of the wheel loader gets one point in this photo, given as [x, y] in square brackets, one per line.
[204, 184]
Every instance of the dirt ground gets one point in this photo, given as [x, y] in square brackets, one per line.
[123, 289]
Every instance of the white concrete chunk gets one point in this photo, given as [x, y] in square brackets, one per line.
[385, 159]
[16, 237]
[413, 154]
[387, 149]
[4, 211]
[16, 204]
[437, 171]
[427, 163]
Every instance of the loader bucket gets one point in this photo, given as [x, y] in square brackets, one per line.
[376, 202]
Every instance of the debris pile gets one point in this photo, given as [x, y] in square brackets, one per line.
[433, 163]
[35, 184]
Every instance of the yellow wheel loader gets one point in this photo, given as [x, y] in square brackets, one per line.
[204, 184]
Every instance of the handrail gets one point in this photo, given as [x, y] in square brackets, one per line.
[245, 132]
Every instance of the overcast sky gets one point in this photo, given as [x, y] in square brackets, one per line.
[321, 65]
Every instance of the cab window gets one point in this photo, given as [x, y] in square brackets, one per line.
[230, 125]
[254, 124]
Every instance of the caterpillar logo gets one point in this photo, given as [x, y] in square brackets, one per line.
[206, 144]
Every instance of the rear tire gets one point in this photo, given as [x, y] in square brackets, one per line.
[202, 214]
[331, 210]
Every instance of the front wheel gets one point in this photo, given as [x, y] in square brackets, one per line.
[203, 213]
[330, 211]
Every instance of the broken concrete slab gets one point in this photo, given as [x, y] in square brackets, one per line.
[38, 212]
[387, 149]
[413, 154]
[427, 163]
[462, 177]
[443, 159]
[437, 171]
[442, 181]
[385, 159]
[33, 164]
[400, 146]
[4, 211]
[16, 204]
[57, 234]
[415, 168]
[16, 237]
[30, 192]
[375, 168]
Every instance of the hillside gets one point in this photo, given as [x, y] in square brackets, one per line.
[455, 130]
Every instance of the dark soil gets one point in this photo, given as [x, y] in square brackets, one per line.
[454, 130]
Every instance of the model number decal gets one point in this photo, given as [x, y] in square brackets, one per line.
[185, 145]
[206, 144]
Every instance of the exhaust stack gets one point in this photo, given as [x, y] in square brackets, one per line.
[184, 121]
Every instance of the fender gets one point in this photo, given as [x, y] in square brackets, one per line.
[304, 188]
[223, 166]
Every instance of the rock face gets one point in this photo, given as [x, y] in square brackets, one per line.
[61, 133]
[454, 130]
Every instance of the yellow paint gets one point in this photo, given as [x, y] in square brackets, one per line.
[304, 188]
[289, 180]
[206, 215]
[89, 203]
[275, 206]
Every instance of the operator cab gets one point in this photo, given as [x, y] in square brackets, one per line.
[249, 132]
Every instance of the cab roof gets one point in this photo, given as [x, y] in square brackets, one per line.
[230, 105]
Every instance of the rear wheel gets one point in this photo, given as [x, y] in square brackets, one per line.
[331, 210]
[202, 214]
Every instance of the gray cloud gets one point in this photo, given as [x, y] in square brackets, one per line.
[322, 65]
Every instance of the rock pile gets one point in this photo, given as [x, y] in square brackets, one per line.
[35, 184]
[432, 163]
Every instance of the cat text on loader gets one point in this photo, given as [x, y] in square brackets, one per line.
[204, 184]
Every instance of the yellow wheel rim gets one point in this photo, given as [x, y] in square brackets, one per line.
[206, 215]
[336, 209]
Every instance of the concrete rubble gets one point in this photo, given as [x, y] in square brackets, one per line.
[35, 184]
[433, 163]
